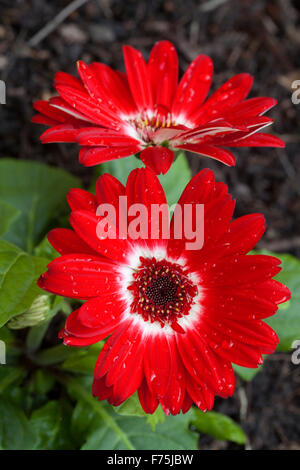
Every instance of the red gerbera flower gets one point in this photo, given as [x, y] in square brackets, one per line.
[177, 318]
[145, 111]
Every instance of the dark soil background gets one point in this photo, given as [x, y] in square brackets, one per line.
[261, 37]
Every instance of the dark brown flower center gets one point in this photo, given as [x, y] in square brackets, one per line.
[162, 291]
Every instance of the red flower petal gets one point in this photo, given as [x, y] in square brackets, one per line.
[187, 403]
[100, 389]
[85, 224]
[111, 349]
[75, 341]
[90, 156]
[66, 241]
[72, 115]
[216, 153]
[139, 82]
[240, 270]
[232, 350]
[80, 276]
[236, 303]
[75, 334]
[259, 140]
[104, 138]
[89, 107]
[159, 159]
[62, 133]
[198, 359]
[157, 365]
[93, 85]
[138, 181]
[114, 88]
[250, 107]
[273, 290]
[130, 361]
[148, 400]
[193, 87]
[200, 189]
[200, 394]
[163, 73]
[45, 108]
[65, 79]
[79, 199]
[74, 327]
[102, 312]
[243, 234]
[233, 91]
[218, 211]
[143, 187]
[174, 397]
[109, 190]
[124, 388]
[41, 119]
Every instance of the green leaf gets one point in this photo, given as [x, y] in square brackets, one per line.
[219, 426]
[132, 407]
[176, 179]
[8, 376]
[18, 276]
[6, 335]
[50, 424]
[157, 417]
[83, 361]
[120, 169]
[46, 422]
[42, 382]
[15, 431]
[36, 335]
[173, 434]
[45, 250]
[108, 430]
[245, 373]
[8, 215]
[286, 322]
[82, 419]
[38, 191]
[54, 355]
